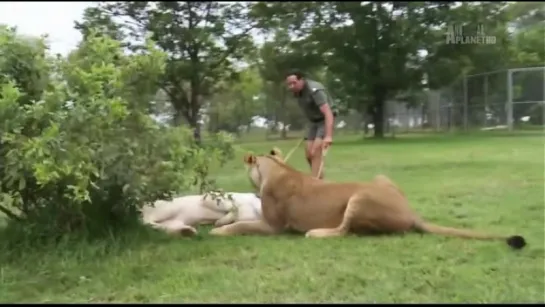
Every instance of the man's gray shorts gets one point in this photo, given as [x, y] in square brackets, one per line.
[315, 130]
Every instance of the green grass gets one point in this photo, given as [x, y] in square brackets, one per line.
[492, 183]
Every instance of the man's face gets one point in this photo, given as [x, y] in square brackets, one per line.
[294, 84]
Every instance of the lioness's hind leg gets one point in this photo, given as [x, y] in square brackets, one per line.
[352, 210]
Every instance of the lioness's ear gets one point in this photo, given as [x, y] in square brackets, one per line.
[249, 158]
[275, 151]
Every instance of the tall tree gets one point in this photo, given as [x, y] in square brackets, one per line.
[203, 41]
[447, 63]
[97, 21]
[236, 102]
[528, 37]
[373, 49]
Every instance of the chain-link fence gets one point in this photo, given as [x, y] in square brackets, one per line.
[507, 99]
[498, 100]
[526, 98]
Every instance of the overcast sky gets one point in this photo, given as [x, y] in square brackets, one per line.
[53, 18]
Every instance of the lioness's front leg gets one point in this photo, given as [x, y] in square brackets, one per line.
[245, 228]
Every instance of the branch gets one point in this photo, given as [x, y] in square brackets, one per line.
[10, 214]
[197, 43]
[226, 54]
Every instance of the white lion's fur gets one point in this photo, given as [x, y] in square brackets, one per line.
[181, 214]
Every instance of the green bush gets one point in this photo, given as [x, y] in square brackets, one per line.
[82, 154]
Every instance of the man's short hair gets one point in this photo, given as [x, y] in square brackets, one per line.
[297, 73]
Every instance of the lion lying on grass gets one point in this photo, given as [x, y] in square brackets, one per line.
[292, 200]
[181, 214]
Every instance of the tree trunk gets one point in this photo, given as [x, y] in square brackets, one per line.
[197, 133]
[365, 112]
[284, 133]
[365, 125]
[178, 118]
[194, 123]
[378, 115]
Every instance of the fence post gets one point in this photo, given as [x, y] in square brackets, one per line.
[543, 101]
[438, 111]
[485, 94]
[509, 104]
[465, 102]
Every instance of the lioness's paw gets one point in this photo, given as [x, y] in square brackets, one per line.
[219, 231]
[315, 233]
[323, 233]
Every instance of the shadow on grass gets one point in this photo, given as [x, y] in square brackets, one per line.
[13, 251]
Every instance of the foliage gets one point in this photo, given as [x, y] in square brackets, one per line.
[236, 102]
[23, 61]
[374, 52]
[202, 40]
[84, 155]
[97, 21]
[447, 63]
[366, 53]
[371, 47]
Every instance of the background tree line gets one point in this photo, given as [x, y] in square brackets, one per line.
[365, 52]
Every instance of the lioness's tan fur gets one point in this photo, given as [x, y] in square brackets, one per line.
[297, 201]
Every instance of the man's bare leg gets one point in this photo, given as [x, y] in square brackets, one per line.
[316, 154]
[308, 153]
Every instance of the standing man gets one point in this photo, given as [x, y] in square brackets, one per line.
[315, 104]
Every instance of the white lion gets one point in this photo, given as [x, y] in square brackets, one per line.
[181, 214]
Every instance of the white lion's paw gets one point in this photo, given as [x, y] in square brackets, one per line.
[188, 231]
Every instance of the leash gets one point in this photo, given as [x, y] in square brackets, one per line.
[324, 153]
[293, 150]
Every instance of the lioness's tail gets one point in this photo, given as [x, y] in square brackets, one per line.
[516, 242]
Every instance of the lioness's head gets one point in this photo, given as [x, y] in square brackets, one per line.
[252, 164]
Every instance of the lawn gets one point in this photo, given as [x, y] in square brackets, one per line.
[492, 183]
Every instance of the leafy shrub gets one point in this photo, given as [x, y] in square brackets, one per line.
[84, 154]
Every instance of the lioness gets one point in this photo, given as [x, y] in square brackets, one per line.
[292, 200]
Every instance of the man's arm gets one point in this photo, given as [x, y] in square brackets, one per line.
[320, 98]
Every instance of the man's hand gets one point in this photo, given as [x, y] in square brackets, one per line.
[327, 142]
